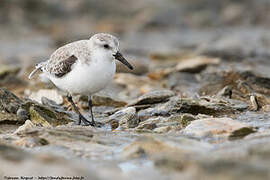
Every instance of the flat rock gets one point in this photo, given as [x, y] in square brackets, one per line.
[206, 106]
[210, 127]
[153, 97]
[196, 64]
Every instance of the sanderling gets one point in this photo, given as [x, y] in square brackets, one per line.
[83, 67]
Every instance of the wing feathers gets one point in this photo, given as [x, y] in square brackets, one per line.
[64, 66]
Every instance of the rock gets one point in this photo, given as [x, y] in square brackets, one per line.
[149, 124]
[39, 165]
[22, 114]
[254, 102]
[153, 97]
[11, 108]
[225, 92]
[145, 147]
[9, 102]
[7, 118]
[186, 83]
[31, 142]
[196, 64]
[155, 146]
[44, 116]
[7, 70]
[163, 129]
[26, 126]
[127, 117]
[205, 105]
[184, 119]
[8, 75]
[51, 94]
[215, 127]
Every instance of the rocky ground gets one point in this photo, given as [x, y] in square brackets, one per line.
[197, 105]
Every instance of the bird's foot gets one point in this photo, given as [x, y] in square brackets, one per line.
[85, 122]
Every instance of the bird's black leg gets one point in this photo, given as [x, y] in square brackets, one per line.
[90, 103]
[81, 118]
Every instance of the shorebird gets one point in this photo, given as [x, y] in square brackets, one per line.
[83, 67]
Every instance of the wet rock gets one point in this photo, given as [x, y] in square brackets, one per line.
[51, 94]
[196, 64]
[212, 127]
[153, 97]
[127, 117]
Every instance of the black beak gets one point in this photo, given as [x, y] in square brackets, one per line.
[120, 58]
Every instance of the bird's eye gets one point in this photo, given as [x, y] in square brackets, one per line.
[106, 46]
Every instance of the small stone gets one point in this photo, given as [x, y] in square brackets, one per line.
[254, 102]
[225, 92]
[127, 117]
[26, 126]
[22, 114]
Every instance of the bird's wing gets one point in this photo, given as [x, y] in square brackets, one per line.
[61, 61]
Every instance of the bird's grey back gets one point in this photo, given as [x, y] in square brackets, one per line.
[79, 49]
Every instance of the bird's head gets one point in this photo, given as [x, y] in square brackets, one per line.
[108, 44]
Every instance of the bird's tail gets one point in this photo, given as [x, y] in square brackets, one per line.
[37, 67]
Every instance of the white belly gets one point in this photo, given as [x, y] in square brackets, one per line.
[86, 79]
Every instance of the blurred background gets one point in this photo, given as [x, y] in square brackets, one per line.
[31, 30]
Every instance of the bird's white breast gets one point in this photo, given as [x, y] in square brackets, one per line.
[87, 78]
